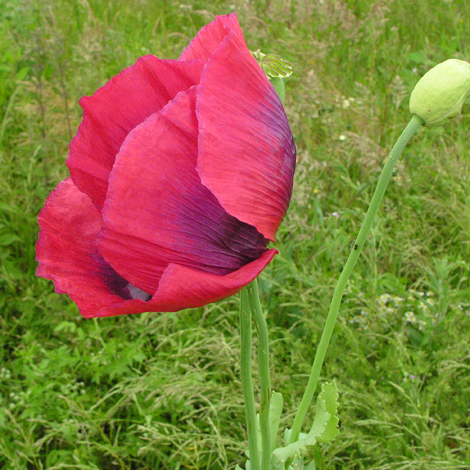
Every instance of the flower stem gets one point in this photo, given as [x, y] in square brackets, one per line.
[263, 366]
[246, 378]
[409, 131]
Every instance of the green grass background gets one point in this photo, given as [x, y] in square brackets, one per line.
[162, 391]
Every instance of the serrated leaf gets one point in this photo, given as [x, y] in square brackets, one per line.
[299, 447]
[329, 395]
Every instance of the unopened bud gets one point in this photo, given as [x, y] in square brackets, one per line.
[441, 92]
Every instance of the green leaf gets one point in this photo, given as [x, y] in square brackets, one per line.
[298, 448]
[275, 411]
[8, 208]
[324, 428]
[8, 239]
[329, 395]
[21, 75]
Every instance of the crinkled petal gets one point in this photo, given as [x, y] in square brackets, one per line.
[158, 213]
[209, 37]
[115, 109]
[67, 253]
[182, 287]
[246, 149]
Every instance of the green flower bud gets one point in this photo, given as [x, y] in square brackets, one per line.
[441, 92]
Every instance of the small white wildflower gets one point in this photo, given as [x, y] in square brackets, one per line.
[410, 317]
[424, 308]
[5, 373]
[383, 301]
[384, 298]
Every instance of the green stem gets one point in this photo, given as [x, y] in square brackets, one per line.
[278, 84]
[263, 366]
[411, 128]
[246, 378]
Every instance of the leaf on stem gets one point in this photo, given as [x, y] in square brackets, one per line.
[324, 428]
[329, 395]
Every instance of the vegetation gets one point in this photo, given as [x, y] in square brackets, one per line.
[163, 391]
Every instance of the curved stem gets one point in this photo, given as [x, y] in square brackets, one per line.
[263, 366]
[246, 378]
[411, 128]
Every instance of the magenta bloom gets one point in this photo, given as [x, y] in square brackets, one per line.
[181, 173]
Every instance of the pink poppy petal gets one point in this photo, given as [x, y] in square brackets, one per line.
[209, 37]
[246, 150]
[67, 253]
[115, 109]
[157, 212]
[183, 287]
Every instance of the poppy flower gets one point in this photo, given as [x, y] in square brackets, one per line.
[180, 174]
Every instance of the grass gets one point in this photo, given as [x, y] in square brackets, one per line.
[163, 391]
